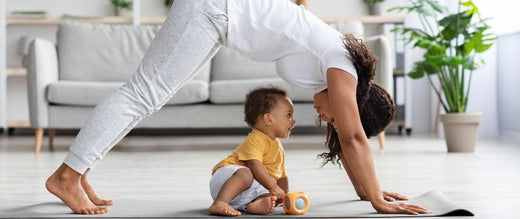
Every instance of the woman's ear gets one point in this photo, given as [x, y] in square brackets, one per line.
[268, 120]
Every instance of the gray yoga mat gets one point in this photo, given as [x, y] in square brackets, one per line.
[437, 202]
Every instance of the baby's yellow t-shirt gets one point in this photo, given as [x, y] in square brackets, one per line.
[261, 147]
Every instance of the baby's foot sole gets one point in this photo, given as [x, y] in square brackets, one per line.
[222, 208]
[262, 205]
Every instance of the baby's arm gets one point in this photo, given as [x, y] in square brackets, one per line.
[262, 176]
[284, 184]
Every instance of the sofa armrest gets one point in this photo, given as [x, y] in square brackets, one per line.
[42, 69]
[380, 45]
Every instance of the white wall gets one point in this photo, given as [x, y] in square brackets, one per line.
[509, 81]
[505, 16]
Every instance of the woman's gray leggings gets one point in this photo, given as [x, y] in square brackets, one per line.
[188, 39]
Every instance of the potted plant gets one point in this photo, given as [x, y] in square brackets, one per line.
[120, 6]
[452, 44]
[374, 6]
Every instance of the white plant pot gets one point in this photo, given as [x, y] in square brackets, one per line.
[460, 131]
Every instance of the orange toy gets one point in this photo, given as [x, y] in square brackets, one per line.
[295, 203]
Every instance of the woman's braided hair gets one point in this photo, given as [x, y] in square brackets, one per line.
[376, 106]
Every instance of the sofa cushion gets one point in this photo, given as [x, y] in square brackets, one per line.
[80, 93]
[229, 65]
[234, 91]
[101, 52]
[104, 52]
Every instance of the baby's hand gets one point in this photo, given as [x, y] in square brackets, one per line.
[277, 191]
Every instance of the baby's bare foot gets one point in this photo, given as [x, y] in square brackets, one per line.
[66, 185]
[92, 195]
[223, 208]
[262, 205]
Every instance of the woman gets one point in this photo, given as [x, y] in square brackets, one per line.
[308, 53]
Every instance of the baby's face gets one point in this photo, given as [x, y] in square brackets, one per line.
[283, 120]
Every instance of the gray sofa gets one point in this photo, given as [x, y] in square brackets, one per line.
[66, 81]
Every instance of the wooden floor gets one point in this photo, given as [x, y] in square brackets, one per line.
[486, 182]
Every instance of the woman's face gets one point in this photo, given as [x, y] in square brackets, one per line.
[322, 106]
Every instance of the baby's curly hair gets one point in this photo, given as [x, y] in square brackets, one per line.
[260, 101]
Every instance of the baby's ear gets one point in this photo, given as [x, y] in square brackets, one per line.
[267, 117]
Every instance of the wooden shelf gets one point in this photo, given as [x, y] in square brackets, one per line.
[16, 72]
[399, 71]
[366, 19]
[18, 124]
[104, 20]
[398, 122]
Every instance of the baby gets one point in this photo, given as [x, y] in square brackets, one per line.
[253, 178]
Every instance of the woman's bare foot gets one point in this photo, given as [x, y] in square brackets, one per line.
[223, 208]
[92, 195]
[65, 184]
[262, 205]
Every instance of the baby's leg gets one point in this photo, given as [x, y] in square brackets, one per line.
[240, 181]
[264, 204]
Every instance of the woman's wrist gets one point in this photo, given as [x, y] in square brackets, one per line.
[377, 202]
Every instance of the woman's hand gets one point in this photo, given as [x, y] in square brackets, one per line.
[385, 207]
[388, 196]
[392, 196]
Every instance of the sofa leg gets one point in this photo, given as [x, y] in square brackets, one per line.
[51, 133]
[38, 140]
[381, 138]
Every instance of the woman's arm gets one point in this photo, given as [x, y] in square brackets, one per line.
[262, 176]
[389, 196]
[355, 182]
[354, 144]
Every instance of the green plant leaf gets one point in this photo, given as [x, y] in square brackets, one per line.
[454, 24]
[417, 71]
[125, 4]
[370, 2]
[435, 6]
[168, 2]
[472, 7]
[469, 64]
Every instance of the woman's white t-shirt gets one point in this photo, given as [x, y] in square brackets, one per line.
[302, 45]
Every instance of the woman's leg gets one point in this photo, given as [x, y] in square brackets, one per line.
[188, 39]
